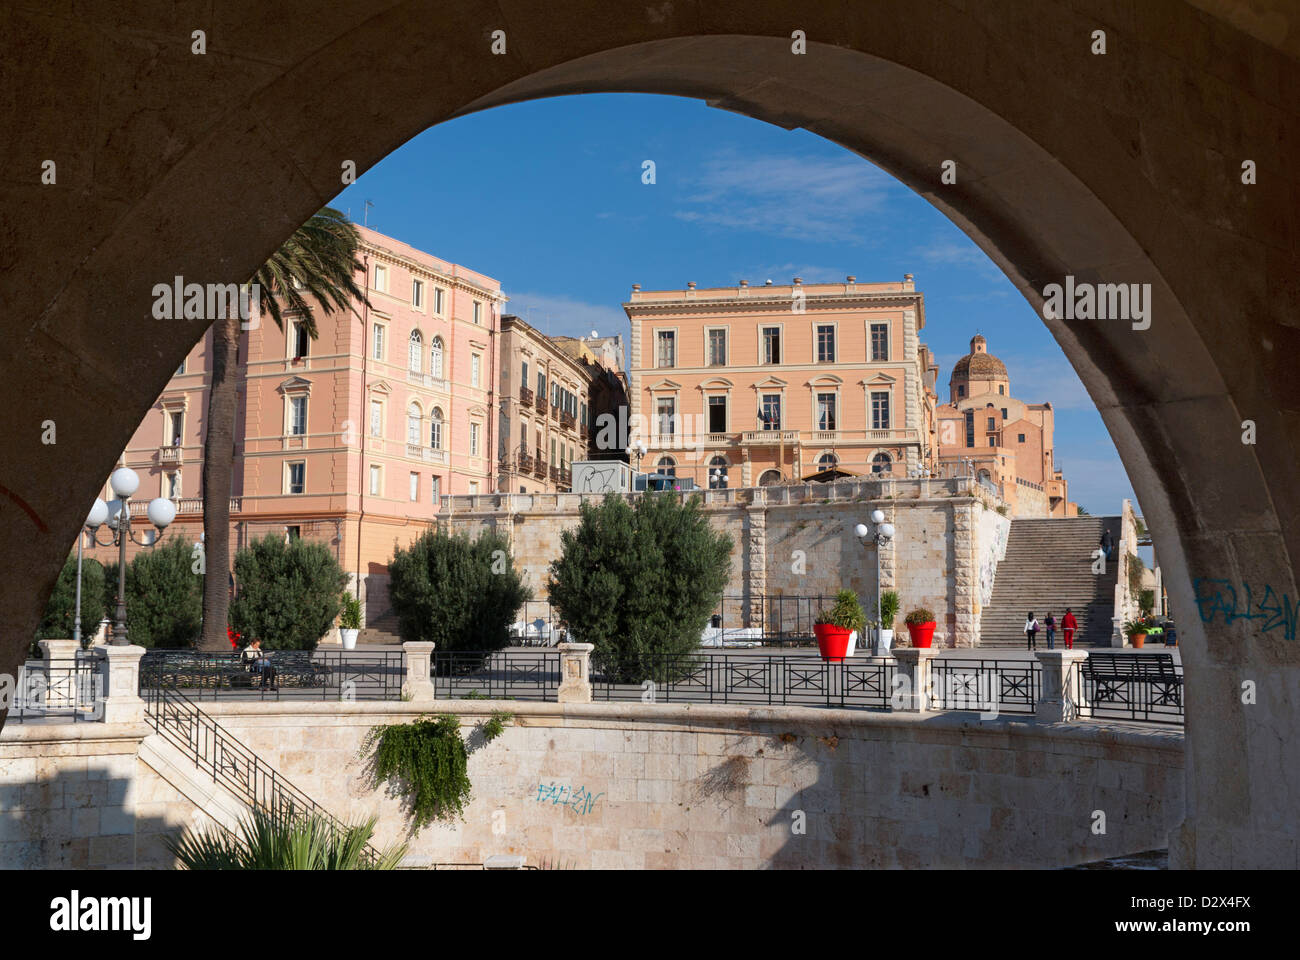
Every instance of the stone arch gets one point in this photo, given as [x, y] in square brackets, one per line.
[1103, 171]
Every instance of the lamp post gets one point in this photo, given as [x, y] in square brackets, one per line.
[639, 450]
[718, 478]
[117, 513]
[98, 514]
[882, 534]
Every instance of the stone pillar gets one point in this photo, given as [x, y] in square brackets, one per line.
[60, 673]
[575, 673]
[965, 590]
[912, 695]
[118, 700]
[756, 547]
[1061, 692]
[417, 687]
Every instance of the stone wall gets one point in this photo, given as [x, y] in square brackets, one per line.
[798, 541]
[692, 787]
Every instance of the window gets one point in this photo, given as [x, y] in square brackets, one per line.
[828, 461]
[717, 348]
[882, 463]
[415, 351]
[970, 428]
[438, 295]
[293, 533]
[993, 441]
[376, 418]
[435, 485]
[297, 416]
[717, 414]
[1004, 413]
[769, 478]
[1020, 438]
[375, 479]
[826, 411]
[297, 476]
[435, 428]
[180, 370]
[415, 487]
[541, 385]
[879, 409]
[771, 344]
[473, 488]
[825, 343]
[667, 353]
[770, 411]
[880, 341]
[1002, 389]
[173, 485]
[435, 358]
[961, 391]
[523, 379]
[668, 466]
[475, 361]
[377, 351]
[993, 423]
[583, 420]
[718, 473]
[177, 426]
[381, 278]
[300, 340]
[478, 312]
[553, 450]
[417, 294]
[666, 409]
[413, 424]
[473, 439]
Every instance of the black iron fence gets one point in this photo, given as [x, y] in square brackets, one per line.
[289, 674]
[495, 675]
[1154, 696]
[985, 686]
[59, 691]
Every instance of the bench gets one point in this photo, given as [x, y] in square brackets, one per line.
[294, 668]
[1111, 673]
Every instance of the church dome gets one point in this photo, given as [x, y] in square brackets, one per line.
[979, 363]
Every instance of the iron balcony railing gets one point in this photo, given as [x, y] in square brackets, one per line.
[298, 675]
[59, 691]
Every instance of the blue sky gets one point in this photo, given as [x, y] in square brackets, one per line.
[547, 197]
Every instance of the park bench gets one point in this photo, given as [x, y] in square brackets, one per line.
[1111, 674]
[293, 668]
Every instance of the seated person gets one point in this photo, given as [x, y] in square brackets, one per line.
[260, 663]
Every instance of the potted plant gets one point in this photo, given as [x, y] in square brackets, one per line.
[920, 626]
[835, 626]
[888, 612]
[350, 621]
[1136, 631]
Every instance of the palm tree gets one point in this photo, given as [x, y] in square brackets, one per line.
[319, 261]
[299, 843]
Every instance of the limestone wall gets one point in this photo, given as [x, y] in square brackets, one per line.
[680, 787]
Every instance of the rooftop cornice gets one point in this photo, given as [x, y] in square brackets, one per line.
[729, 304]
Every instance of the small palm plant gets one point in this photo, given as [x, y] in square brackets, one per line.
[350, 617]
[310, 842]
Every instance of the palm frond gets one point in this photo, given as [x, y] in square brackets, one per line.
[321, 256]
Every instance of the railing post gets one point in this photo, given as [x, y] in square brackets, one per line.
[575, 673]
[120, 701]
[912, 679]
[60, 668]
[1061, 692]
[418, 685]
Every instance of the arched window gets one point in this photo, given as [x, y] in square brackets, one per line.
[882, 463]
[435, 358]
[415, 350]
[413, 424]
[718, 473]
[668, 466]
[828, 461]
[769, 478]
[435, 428]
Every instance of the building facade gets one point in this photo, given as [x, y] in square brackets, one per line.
[354, 438]
[1007, 444]
[769, 384]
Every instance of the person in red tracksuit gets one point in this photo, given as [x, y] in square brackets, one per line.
[1068, 626]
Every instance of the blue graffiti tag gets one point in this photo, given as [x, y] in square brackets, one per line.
[579, 800]
[1214, 597]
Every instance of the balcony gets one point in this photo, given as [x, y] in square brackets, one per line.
[525, 396]
[768, 437]
[568, 421]
[525, 462]
[582, 431]
[566, 479]
[539, 402]
[427, 380]
[555, 474]
[539, 468]
[429, 455]
[170, 456]
[185, 506]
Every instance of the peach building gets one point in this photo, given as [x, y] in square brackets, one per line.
[1006, 443]
[772, 384]
[351, 439]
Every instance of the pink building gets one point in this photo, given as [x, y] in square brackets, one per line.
[350, 439]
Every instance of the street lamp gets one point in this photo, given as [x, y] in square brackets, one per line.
[718, 478]
[883, 534]
[117, 513]
[639, 450]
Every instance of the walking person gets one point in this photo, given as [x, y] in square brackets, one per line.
[1108, 544]
[1068, 626]
[1031, 631]
[1050, 626]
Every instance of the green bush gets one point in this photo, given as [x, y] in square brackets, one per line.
[426, 763]
[61, 610]
[889, 606]
[457, 593]
[300, 843]
[164, 596]
[350, 617]
[639, 580]
[846, 613]
[288, 593]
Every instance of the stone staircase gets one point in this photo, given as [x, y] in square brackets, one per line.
[1048, 567]
[381, 630]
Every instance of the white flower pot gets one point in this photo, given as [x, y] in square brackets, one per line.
[853, 643]
[349, 638]
[884, 640]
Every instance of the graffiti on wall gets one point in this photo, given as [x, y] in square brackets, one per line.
[1221, 597]
[578, 799]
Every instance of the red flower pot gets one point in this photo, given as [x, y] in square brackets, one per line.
[832, 641]
[922, 633]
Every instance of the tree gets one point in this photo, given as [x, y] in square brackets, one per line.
[308, 842]
[321, 256]
[164, 597]
[289, 593]
[458, 593]
[638, 581]
[61, 610]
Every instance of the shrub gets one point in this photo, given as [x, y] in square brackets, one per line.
[164, 596]
[350, 617]
[425, 762]
[457, 593]
[846, 613]
[1146, 602]
[636, 581]
[289, 593]
[919, 616]
[889, 604]
[61, 610]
